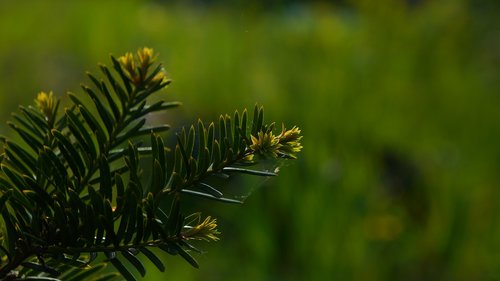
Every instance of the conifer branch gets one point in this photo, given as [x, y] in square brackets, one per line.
[75, 189]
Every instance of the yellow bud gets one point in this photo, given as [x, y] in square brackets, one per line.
[146, 57]
[45, 102]
[207, 230]
[265, 144]
[160, 77]
[127, 62]
[136, 67]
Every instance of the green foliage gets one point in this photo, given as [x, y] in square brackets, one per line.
[419, 81]
[74, 196]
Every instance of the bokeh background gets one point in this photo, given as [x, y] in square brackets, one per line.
[398, 102]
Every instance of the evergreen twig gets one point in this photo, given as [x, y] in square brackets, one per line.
[75, 188]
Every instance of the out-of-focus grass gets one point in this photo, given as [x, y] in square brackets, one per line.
[398, 105]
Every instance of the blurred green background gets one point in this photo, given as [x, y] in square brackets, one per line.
[398, 102]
